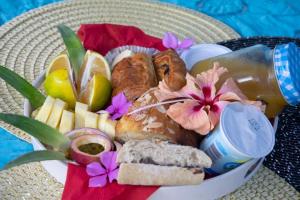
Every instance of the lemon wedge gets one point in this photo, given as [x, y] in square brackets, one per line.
[93, 63]
[59, 85]
[59, 62]
[97, 92]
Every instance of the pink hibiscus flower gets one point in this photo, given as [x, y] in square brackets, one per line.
[201, 105]
[100, 172]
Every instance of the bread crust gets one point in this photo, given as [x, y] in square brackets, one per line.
[170, 68]
[162, 153]
[152, 123]
[147, 174]
[134, 75]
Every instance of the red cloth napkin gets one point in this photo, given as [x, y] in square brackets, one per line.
[105, 37]
[76, 187]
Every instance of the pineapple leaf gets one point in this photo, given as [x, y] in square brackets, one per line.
[35, 97]
[76, 51]
[37, 129]
[36, 156]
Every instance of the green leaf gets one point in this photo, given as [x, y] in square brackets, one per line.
[36, 156]
[35, 97]
[76, 51]
[37, 129]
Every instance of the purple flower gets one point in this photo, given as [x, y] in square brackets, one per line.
[119, 106]
[100, 172]
[170, 40]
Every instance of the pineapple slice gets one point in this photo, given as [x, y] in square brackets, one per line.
[56, 113]
[80, 112]
[45, 110]
[91, 120]
[107, 125]
[67, 121]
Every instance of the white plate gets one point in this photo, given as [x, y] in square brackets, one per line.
[210, 189]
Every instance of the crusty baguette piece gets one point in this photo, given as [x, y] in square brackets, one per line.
[133, 75]
[147, 174]
[152, 123]
[170, 68]
[162, 153]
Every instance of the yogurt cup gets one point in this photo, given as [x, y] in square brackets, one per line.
[201, 52]
[243, 133]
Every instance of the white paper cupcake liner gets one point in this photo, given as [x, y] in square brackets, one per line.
[112, 54]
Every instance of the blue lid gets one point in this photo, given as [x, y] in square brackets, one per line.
[287, 70]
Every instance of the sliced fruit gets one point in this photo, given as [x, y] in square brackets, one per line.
[93, 63]
[59, 62]
[107, 125]
[91, 120]
[80, 112]
[58, 107]
[67, 122]
[58, 84]
[97, 93]
[45, 110]
[82, 131]
[87, 148]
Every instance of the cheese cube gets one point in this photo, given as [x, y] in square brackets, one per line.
[67, 122]
[45, 110]
[56, 113]
[91, 120]
[80, 112]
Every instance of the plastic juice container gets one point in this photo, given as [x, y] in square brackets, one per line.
[272, 76]
[243, 133]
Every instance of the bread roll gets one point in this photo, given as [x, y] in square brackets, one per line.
[152, 123]
[162, 153]
[147, 174]
[133, 75]
[171, 68]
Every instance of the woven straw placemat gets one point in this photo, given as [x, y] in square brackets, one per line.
[29, 42]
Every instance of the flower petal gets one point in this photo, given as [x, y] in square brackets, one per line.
[260, 105]
[209, 78]
[170, 40]
[186, 43]
[98, 181]
[95, 169]
[230, 86]
[190, 89]
[229, 96]
[110, 109]
[190, 115]
[119, 100]
[124, 109]
[108, 159]
[164, 92]
[215, 112]
[116, 115]
[113, 175]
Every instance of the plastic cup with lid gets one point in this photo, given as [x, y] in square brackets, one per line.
[243, 133]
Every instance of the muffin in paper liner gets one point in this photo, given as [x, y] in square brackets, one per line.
[112, 54]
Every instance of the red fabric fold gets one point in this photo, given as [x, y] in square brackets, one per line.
[105, 37]
[76, 187]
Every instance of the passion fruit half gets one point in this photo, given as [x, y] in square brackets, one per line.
[87, 148]
[83, 131]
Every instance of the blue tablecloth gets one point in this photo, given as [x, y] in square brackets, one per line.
[247, 17]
